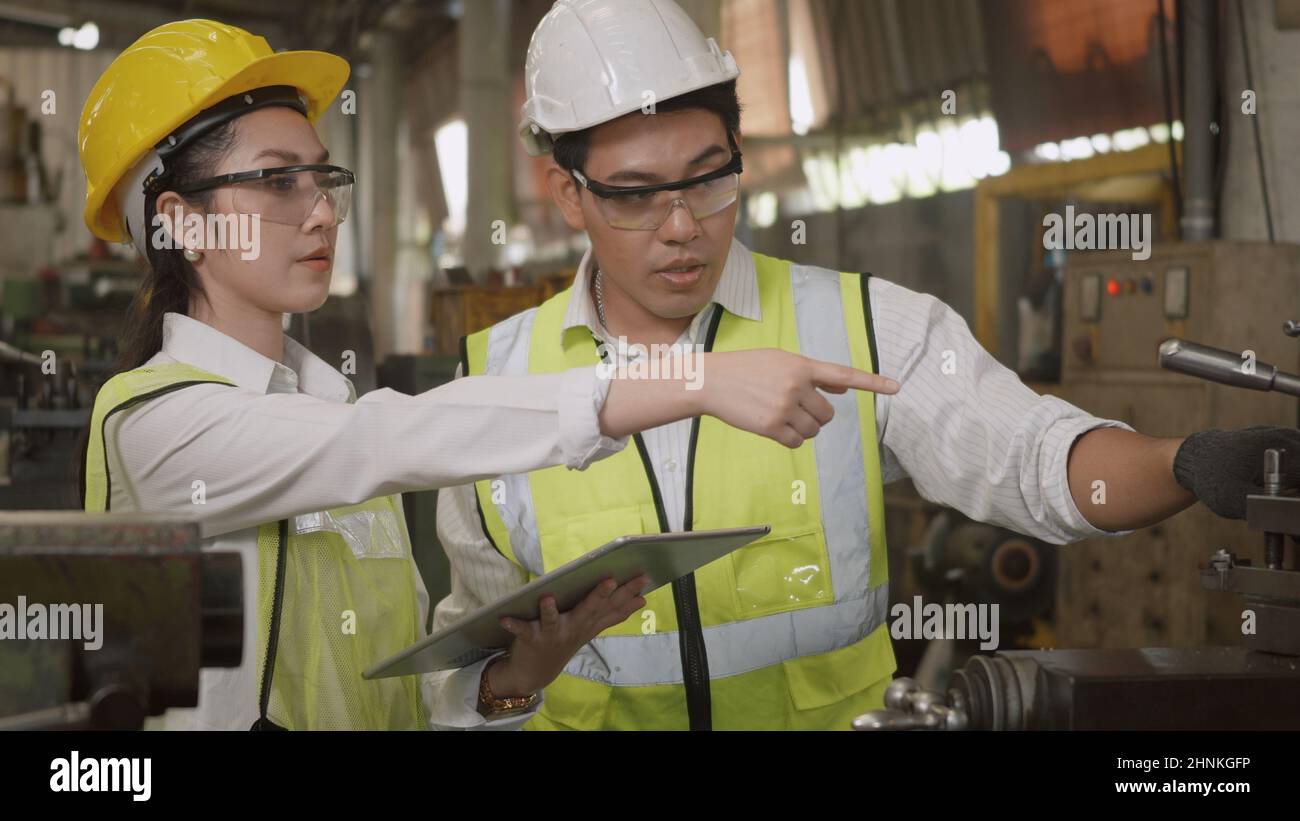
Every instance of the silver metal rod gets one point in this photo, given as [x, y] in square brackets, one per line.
[1225, 367]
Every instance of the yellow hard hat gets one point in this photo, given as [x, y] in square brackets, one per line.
[167, 77]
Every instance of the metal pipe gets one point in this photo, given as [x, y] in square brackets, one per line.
[1201, 26]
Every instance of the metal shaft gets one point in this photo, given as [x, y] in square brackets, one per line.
[1274, 543]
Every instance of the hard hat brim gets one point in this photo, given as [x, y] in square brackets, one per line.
[319, 76]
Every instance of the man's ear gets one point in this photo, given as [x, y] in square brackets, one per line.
[566, 195]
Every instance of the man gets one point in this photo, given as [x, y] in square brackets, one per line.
[639, 111]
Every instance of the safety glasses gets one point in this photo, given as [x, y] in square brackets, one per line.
[286, 195]
[646, 207]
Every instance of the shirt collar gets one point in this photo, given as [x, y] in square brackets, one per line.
[188, 340]
[736, 291]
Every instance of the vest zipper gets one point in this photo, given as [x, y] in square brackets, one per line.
[695, 661]
[695, 657]
[273, 632]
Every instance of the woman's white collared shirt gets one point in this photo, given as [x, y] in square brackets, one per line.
[292, 438]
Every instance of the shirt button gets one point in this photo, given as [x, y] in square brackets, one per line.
[670, 465]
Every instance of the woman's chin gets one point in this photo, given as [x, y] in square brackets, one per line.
[307, 299]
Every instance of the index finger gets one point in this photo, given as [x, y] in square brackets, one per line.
[838, 378]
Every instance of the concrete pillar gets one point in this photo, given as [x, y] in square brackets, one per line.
[378, 108]
[488, 105]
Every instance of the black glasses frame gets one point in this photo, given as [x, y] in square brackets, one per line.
[262, 173]
[735, 165]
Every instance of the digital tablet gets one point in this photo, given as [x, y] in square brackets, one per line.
[663, 557]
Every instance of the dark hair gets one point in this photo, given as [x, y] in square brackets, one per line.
[570, 150]
[170, 283]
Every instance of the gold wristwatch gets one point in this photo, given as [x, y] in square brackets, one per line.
[491, 706]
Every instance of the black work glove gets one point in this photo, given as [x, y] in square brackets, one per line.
[1222, 466]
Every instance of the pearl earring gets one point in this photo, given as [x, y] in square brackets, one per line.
[192, 256]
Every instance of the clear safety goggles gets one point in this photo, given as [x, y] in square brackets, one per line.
[286, 195]
[647, 207]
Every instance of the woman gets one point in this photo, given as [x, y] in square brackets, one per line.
[217, 414]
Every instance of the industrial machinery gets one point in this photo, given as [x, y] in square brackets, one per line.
[57, 342]
[106, 619]
[964, 560]
[1247, 687]
[1143, 590]
[39, 425]
[956, 559]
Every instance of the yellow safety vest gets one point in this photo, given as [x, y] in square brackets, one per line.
[335, 595]
[786, 633]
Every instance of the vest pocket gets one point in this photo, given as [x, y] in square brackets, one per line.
[783, 571]
[827, 678]
[370, 529]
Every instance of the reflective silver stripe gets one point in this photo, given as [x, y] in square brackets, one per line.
[507, 355]
[733, 648]
[819, 316]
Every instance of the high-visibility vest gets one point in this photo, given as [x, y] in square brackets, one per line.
[787, 632]
[336, 589]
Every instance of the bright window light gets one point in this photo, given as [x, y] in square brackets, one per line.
[1048, 151]
[763, 209]
[453, 164]
[802, 115]
[1000, 164]
[1130, 138]
[1079, 148]
[87, 37]
[955, 175]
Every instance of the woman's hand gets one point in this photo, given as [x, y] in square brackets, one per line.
[774, 393]
[542, 647]
[767, 391]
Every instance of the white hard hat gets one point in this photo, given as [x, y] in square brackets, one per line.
[592, 61]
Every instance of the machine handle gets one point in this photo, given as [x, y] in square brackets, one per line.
[1225, 367]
